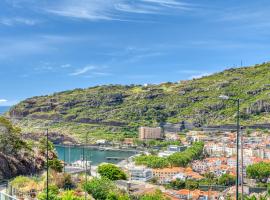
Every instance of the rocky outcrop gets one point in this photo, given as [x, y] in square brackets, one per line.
[11, 166]
[54, 137]
[259, 107]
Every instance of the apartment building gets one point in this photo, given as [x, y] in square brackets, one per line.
[149, 133]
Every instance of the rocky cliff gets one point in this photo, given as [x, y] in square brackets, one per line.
[16, 156]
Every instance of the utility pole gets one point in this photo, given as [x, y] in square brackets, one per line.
[242, 160]
[85, 161]
[64, 158]
[47, 157]
[242, 166]
[237, 101]
[237, 147]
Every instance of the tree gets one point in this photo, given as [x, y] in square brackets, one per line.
[192, 184]
[177, 184]
[259, 171]
[10, 138]
[43, 145]
[227, 180]
[177, 159]
[111, 172]
[99, 188]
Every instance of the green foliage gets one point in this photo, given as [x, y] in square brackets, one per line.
[55, 164]
[111, 172]
[156, 196]
[136, 105]
[259, 171]
[68, 183]
[177, 184]
[52, 195]
[20, 181]
[70, 195]
[100, 188]
[176, 159]
[10, 138]
[191, 184]
[43, 145]
[227, 180]
[183, 158]
[151, 161]
[117, 196]
[162, 143]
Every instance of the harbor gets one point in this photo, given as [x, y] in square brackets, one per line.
[94, 154]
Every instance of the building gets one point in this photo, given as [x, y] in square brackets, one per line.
[148, 133]
[176, 148]
[128, 142]
[200, 166]
[140, 174]
[171, 136]
[192, 194]
[166, 175]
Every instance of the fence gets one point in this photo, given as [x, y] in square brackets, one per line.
[4, 196]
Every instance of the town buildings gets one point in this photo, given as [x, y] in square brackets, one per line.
[166, 175]
[140, 173]
[149, 133]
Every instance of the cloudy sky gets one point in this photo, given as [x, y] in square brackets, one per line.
[54, 45]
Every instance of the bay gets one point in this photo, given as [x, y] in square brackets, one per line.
[96, 156]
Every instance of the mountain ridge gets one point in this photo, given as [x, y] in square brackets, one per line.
[129, 106]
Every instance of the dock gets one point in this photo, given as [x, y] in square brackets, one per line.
[115, 158]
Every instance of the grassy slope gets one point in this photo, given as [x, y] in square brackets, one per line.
[194, 100]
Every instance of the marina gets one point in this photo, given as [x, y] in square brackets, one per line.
[71, 154]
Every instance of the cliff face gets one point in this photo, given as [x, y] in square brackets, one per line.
[11, 166]
[16, 158]
[130, 106]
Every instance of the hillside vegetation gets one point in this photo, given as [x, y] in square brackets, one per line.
[117, 110]
[16, 155]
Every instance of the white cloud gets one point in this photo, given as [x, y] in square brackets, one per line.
[18, 20]
[114, 9]
[66, 66]
[172, 4]
[2, 101]
[12, 47]
[189, 71]
[199, 75]
[83, 70]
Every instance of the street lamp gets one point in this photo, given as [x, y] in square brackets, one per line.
[237, 101]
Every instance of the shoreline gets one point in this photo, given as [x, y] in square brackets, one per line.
[96, 147]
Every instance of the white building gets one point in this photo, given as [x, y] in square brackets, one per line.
[176, 148]
[140, 173]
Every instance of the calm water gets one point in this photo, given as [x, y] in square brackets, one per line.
[3, 109]
[73, 154]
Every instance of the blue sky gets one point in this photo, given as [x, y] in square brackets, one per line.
[54, 45]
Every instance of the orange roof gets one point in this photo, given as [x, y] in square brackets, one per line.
[172, 169]
[183, 192]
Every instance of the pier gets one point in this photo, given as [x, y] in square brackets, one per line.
[115, 158]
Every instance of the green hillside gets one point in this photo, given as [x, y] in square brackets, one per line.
[117, 110]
